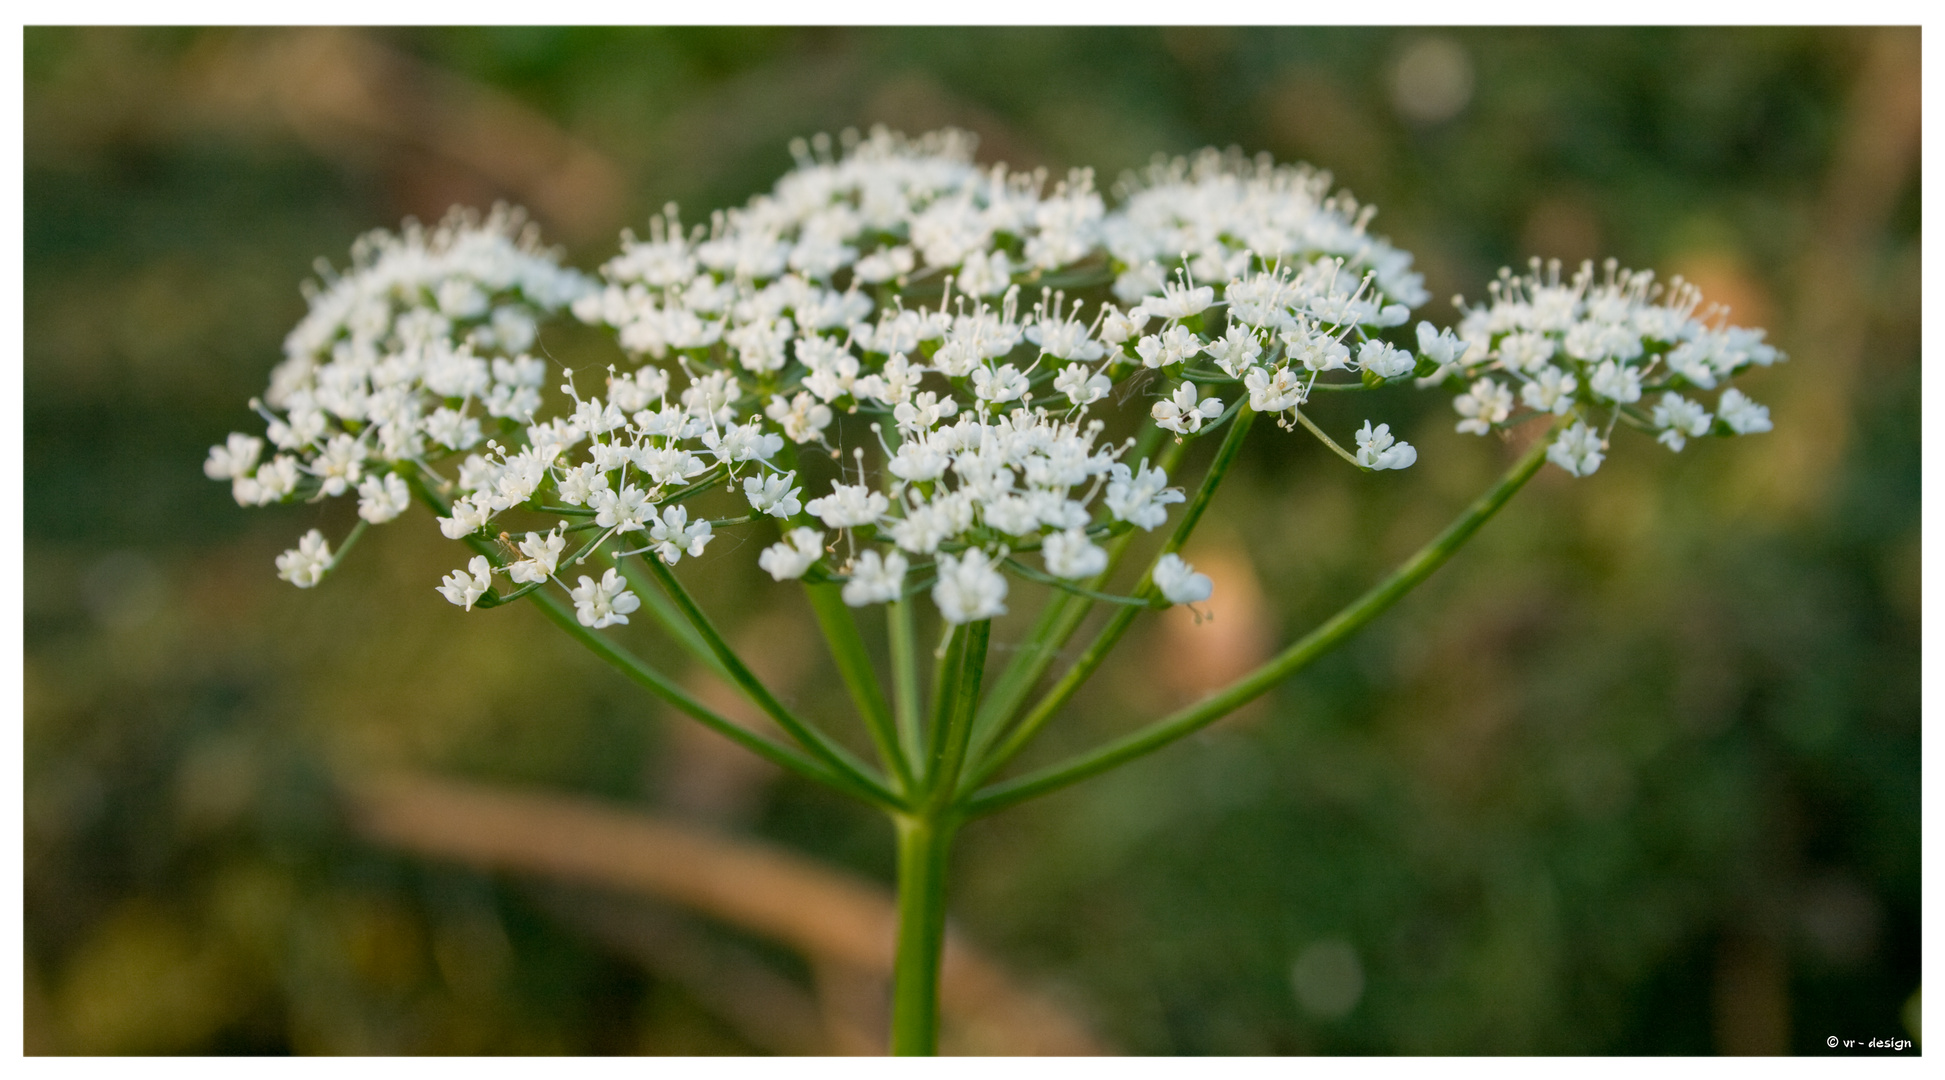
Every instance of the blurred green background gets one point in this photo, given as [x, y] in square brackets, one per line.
[1637, 773]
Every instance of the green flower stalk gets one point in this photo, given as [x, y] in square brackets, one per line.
[881, 361]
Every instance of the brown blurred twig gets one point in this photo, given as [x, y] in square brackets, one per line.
[826, 915]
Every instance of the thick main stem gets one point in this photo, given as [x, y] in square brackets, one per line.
[924, 842]
[925, 837]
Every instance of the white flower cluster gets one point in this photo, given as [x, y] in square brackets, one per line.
[408, 353]
[879, 356]
[1593, 350]
[1218, 210]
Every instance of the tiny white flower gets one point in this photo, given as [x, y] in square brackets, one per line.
[524, 370]
[1551, 391]
[1384, 361]
[674, 534]
[919, 461]
[1139, 281]
[1378, 449]
[1274, 391]
[1616, 383]
[603, 603]
[1172, 346]
[276, 479]
[1525, 351]
[517, 481]
[1005, 384]
[380, 499]
[969, 588]
[1692, 360]
[303, 428]
[1065, 340]
[468, 517]
[1118, 326]
[1139, 496]
[790, 557]
[578, 484]
[1485, 404]
[1743, 416]
[773, 494]
[1179, 301]
[849, 506]
[340, 464]
[1179, 582]
[305, 564]
[1011, 514]
[1181, 414]
[461, 299]
[1316, 352]
[985, 275]
[1577, 450]
[924, 410]
[875, 580]
[1071, 554]
[543, 556]
[235, 458]
[464, 587]
[1680, 420]
[672, 464]
[513, 402]
[453, 429]
[1594, 340]
[883, 265]
[627, 510]
[607, 457]
[1441, 347]
[803, 417]
[742, 442]
[892, 385]
[1080, 387]
[1236, 351]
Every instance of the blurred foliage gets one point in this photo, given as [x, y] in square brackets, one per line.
[1638, 772]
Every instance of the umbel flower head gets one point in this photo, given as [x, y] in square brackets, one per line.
[1591, 349]
[878, 359]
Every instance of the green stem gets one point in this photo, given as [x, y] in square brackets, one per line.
[1327, 440]
[658, 684]
[923, 845]
[820, 745]
[1031, 657]
[667, 617]
[1069, 587]
[904, 680]
[954, 724]
[1097, 651]
[1291, 660]
[854, 666]
[350, 541]
[951, 658]
[1059, 618]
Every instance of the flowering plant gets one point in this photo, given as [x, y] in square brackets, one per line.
[907, 365]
